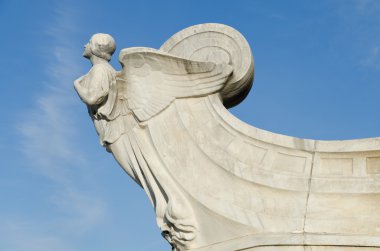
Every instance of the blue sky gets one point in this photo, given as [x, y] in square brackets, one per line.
[317, 71]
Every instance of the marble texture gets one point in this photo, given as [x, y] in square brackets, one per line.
[215, 182]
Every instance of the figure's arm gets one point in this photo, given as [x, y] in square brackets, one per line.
[97, 88]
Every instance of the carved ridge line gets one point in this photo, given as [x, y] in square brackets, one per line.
[237, 125]
[219, 213]
[291, 239]
[308, 194]
[231, 172]
[222, 214]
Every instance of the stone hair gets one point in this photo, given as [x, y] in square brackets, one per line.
[102, 45]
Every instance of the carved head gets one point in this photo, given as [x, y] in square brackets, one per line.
[101, 45]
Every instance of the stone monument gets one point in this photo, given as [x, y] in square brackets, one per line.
[215, 182]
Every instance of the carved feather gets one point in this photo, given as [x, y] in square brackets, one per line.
[154, 79]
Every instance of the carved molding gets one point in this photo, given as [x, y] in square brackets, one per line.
[215, 182]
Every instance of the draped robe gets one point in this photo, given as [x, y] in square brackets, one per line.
[128, 141]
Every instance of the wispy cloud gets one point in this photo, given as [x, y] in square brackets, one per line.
[373, 58]
[80, 211]
[358, 20]
[277, 16]
[21, 235]
[48, 132]
[369, 10]
[48, 142]
[366, 6]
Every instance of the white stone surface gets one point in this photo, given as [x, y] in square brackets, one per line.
[215, 182]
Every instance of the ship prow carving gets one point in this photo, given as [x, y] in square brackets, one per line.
[295, 191]
[217, 183]
[289, 191]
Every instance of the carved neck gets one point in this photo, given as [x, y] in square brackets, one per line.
[97, 60]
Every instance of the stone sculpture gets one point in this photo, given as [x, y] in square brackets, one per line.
[216, 183]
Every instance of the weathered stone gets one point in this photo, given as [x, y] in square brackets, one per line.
[215, 182]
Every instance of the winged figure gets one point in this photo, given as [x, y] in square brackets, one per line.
[123, 105]
[215, 182]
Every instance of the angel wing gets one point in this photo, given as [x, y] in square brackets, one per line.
[154, 79]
